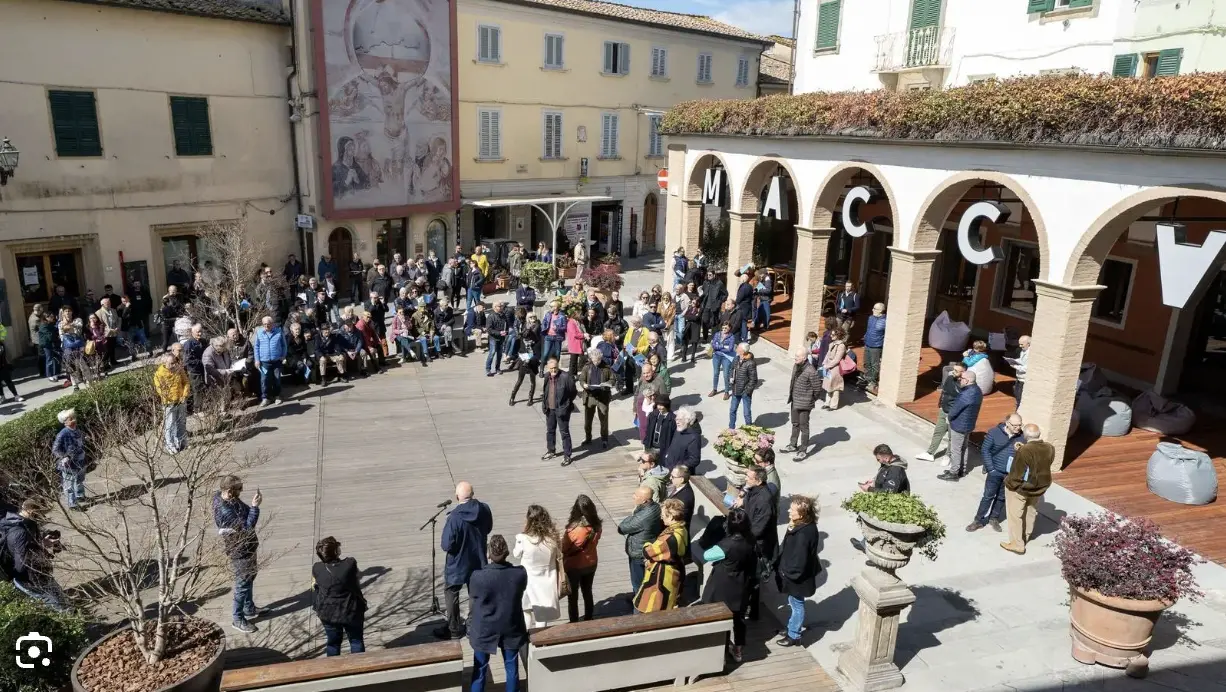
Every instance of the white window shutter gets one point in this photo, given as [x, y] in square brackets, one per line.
[495, 135]
[613, 137]
[495, 49]
[483, 140]
[559, 43]
[609, 67]
[483, 43]
[624, 61]
[655, 62]
[663, 62]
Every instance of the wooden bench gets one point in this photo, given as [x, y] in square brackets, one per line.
[629, 651]
[436, 667]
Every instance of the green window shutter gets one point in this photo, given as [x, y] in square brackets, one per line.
[74, 120]
[1168, 62]
[925, 13]
[828, 24]
[1125, 65]
[190, 120]
[1080, 3]
[1033, 6]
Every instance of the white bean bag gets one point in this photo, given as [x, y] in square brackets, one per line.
[1181, 475]
[985, 377]
[946, 335]
[1153, 412]
[1104, 414]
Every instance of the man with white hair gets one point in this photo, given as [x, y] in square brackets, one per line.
[595, 384]
[963, 414]
[1019, 368]
[68, 450]
[803, 391]
[684, 448]
[998, 447]
[464, 541]
[744, 382]
[268, 351]
[1028, 479]
[874, 342]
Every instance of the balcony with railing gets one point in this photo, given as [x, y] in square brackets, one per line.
[925, 47]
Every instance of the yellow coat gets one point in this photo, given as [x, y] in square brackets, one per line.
[172, 386]
[639, 347]
[483, 263]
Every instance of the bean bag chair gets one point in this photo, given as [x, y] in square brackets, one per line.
[1074, 423]
[1091, 379]
[985, 376]
[946, 335]
[1151, 411]
[1181, 475]
[1104, 413]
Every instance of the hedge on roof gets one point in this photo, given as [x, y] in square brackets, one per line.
[1183, 112]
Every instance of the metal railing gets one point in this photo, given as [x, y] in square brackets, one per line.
[928, 46]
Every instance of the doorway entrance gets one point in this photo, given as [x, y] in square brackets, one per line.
[487, 222]
[41, 273]
[182, 256]
[390, 239]
[436, 237]
[340, 247]
[650, 212]
[607, 224]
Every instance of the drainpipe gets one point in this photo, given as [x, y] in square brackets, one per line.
[293, 126]
[795, 46]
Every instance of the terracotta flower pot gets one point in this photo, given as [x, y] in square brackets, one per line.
[888, 545]
[566, 272]
[204, 679]
[1112, 631]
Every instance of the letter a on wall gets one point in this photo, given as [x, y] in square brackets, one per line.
[855, 199]
[774, 201]
[712, 186]
[1183, 267]
[968, 232]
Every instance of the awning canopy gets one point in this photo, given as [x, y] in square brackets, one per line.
[554, 207]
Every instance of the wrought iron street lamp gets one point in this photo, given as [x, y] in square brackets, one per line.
[8, 160]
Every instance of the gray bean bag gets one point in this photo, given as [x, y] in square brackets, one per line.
[1091, 379]
[1181, 475]
[1104, 414]
[1150, 411]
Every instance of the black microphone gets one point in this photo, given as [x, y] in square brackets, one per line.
[442, 504]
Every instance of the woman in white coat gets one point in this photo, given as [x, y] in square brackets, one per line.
[538, 552]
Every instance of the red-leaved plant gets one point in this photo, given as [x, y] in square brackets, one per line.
[1125, 558]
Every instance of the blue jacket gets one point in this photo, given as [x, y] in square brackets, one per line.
[472, 321]
[965, 409]
[326, 268]
[525, 296]
[874, 333]
[558, 321]
[653, 321]
[495, 608]
[464, 534]
[997, 449]
[269, 344]
[723, 345]
[351, 340]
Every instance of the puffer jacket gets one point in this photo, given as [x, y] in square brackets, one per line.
[744, 376]
[805, 386]
[269, 344]
[998, 448]
[965, 410]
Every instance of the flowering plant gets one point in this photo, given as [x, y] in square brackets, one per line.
[741, 444]
[1125, 558]
[572, 306]
[605, 278]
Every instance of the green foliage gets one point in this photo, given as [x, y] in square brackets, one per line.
[1181, 112]
[714, 240]
[20, 615]
[901, 508]
[539, 275]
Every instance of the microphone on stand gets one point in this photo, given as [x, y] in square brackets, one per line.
[442, 504]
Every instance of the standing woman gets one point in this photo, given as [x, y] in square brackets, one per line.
[72, 339]
[338, 598]
[733, 561]
[538, 552]
[95, 348]
[763, 291]
[579, 556]
[575, 337]
[833, 377]
[529, 358]
[799, 565]
[668, 313]
[665, 557]
[690, 320]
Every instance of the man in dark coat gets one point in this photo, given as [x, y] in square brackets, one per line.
[744, 308]
[496, 615]
[557, 402]
[661, 425]
[963, 414]
[640, 528]
[679, 487]
[463, 541]
[356, 273]
[685, 447]
[763, 512]
[713, 296]
[596, 383]
[997, 448]
[802, 395]
[891, 473]
[951, 385]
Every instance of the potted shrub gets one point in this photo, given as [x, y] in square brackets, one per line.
[19, 616]
[1122, 573]
[738, 447]
[503, 280]
[540, 276]
[610, 260]
[895, 525]
[565, 265]
[603, 280]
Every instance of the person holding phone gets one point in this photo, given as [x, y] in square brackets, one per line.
[236, 522]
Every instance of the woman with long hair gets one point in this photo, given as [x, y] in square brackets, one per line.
[530, 346]
[665, 557]
[668, 312]
[579, 555]
[72, 340]
[338, 599]
[95, 359]
[538, 552]
[798, 564]
[733, 562]
[833, 377]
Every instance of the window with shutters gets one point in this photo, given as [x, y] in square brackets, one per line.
[552, 135]
[553, 51]
[616, 58]
[608, 136]
[1036, 6]
[655, 140]
[74, 121]
[189, 117]
[1124, 65]
[925, 13]
[489, 43]
[1164, 63]
[489, 134]
[828, 26]
[704, 68]
[659, 61]
[742, 71]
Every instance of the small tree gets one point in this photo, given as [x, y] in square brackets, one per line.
[539, 275]
[237, 293]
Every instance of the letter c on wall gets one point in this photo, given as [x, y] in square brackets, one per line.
[855, 199]
[994, 212]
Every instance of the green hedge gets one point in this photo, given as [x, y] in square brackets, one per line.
[21, 615]
[1183, 112]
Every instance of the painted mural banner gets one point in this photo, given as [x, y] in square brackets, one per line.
[389, 133]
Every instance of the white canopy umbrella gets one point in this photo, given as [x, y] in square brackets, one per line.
[554, 207]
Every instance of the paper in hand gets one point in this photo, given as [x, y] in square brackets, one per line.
[238, 365]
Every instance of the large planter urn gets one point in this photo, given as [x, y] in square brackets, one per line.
[206, 678]
[1112, 631]
[888, 546]
[734, 472]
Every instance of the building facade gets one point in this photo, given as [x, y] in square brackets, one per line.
[931, 44]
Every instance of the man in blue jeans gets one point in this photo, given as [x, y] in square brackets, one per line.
[235, 522]
[744, 382]
[268, 349]
[496, 615]
[723, 352]
[640, 528]
[997, 448]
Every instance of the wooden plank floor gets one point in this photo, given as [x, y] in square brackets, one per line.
[1109, 471]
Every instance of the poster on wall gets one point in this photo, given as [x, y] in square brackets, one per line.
[577, 227]
[389, 131]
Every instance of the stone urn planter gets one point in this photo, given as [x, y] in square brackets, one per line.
[201, 673]
[1112, 631]
[734, 472]
[887, 545]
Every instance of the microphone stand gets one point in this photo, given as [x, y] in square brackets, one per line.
[432, 522]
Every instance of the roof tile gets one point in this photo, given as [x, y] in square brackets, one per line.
[672, 20]
[261, 11]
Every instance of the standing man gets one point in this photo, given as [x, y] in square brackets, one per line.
[744, 382]
[68, 450]
[557, 399]
[356, 271]
[111, 321]
[679, 487]
[802, 395]
[496, 615]
[963, 414]
[580, 258]
[846, 305]
[997, 448]
[142, 306]
[1019, 368]
[763, 512]
[475, 282]
[744, 308]
[652, 475]
[464, 536]
[173, 388]
[554, 330]
[498, 327]
[236, 522]
[193, 361]
[596, 383]
[326, 267]
[950, 386]
[293, 270]
[874, 342]
[269, 354]
[681, 266]
[1028, 480]
[640, 528]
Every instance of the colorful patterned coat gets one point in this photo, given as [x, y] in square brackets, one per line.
[665, 558]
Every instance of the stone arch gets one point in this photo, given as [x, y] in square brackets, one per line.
[1087, 258]
[941, 201]
[697, 174]
[832, 188]
[746, 199]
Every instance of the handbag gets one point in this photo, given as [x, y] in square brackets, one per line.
[563, 582]
[847, 366]
[90, 347]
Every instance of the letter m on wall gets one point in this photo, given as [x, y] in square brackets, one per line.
[712, 185]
